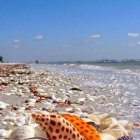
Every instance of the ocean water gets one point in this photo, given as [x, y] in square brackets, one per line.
[120, 82]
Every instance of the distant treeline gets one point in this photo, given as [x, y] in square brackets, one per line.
[92, 62]
[1, 59]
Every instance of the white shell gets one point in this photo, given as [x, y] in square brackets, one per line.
[21, 133]
[3, 133]
[70, 109]
[3, 105]
[105, 136]
[39, 132]
[21, 120]
[31, 100]
[108, 122]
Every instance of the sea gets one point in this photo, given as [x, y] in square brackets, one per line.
[118, 80]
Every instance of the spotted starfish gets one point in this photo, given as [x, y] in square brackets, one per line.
[86, 130]
[57, 127]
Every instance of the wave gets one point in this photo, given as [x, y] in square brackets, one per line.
[94, 67]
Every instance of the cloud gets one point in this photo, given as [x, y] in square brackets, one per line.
[133, 35]
[94, 36]
[17, 43]
[38, 37]
[134, 43]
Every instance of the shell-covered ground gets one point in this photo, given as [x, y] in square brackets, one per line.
[24, 92]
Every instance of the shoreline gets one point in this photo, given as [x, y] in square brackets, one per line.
[37, 91]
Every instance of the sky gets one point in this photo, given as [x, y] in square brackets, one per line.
[69, 30]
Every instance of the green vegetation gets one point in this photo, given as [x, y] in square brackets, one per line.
[1, 59]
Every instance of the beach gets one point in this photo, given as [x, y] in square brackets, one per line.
[79, 89]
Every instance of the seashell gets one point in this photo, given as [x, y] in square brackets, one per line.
[70, 109]
[3, 105]
[118, 126]
[116, 133]
[102, 116]
[9, 118]
[108, 123]
[105, 136]
[136, 125]
[87, 109]
[51, 123]
[87, 131]
[21, 109]
[91, 98]
[125, 138]
[21, 133]
[48, 106]
[63, 104]
[21, 120]
[31, 103]
[123, 122]
[36, 138]
[81, 114]
[31, 100]
[20, 94]
[94, 118]
[4, 122]
[3, 133]
[126, 124]
[102, 99]
[90, 122]
[81, 101]
[94, 125]
[7, 93]
[39, 132]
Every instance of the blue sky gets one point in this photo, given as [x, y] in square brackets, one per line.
[63, 30]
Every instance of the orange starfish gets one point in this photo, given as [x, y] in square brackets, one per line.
[56, 127]
[86, 130]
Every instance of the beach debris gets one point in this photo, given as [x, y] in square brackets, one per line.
[63, 104]
[76, 88]
[56, 127]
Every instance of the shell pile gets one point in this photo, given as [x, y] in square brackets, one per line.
[41, 95]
